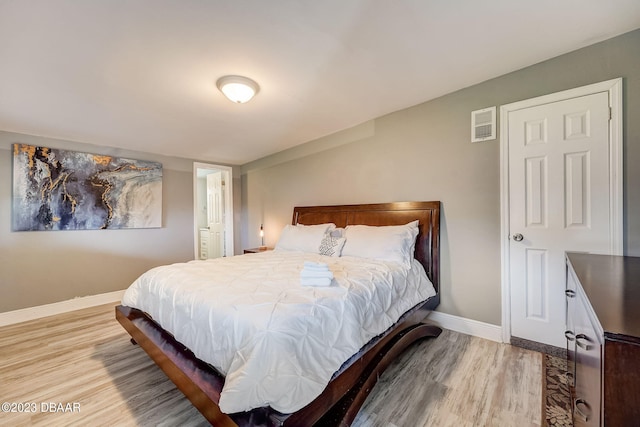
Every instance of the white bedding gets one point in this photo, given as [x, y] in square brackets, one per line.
[277, 342]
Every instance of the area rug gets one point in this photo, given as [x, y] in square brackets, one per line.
[556, 398]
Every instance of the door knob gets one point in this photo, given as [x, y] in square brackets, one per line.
[518, 237]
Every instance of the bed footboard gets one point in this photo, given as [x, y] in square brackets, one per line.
[201, 384]
[196, 379]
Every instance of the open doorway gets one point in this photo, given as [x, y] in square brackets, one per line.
[213, 211]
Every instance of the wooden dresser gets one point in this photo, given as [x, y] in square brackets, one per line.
[603, 339]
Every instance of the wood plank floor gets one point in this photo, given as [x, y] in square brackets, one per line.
[85, 358]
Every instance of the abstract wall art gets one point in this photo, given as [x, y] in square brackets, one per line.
[68, 190]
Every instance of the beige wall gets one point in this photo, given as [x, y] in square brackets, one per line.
[42, 267]
[425, 153]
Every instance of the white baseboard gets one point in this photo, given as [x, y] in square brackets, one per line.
[32, 313]
[466, 326]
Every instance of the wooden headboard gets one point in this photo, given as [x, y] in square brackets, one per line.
[427, 213]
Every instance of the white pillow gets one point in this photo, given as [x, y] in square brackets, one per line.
[388, 243]
[305, 238]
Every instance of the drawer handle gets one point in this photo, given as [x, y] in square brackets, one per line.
[579, 413]
[581, 344]
[570, 293]
[569, 335]
[569, 378]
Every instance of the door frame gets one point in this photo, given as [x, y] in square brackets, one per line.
[614, 88]
[228, 201]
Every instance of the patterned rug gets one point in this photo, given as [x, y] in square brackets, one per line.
[556, 399]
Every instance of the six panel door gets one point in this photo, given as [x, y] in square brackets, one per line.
[559, 200]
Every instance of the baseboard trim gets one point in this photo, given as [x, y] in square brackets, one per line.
[40, 311]
[466, 326]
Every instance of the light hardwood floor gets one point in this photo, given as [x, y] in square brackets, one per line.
[85, 358]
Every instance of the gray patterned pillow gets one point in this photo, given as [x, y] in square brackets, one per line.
[331, 246]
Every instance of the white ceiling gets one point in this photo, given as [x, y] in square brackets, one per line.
[141, 74]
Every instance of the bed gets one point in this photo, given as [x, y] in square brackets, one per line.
[348, 387]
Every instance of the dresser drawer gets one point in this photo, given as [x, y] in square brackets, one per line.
[570, 330]
[588, 362]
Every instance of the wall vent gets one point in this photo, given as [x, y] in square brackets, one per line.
[483, 124]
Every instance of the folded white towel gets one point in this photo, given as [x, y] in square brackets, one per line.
[310, 281]
[317, 270]
[316, 265]
[317, 274]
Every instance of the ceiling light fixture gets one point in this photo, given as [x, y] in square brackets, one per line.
[237, 88]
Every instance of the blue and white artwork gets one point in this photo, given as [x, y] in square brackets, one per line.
[67, 190]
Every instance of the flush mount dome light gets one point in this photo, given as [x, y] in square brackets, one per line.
[237, 88]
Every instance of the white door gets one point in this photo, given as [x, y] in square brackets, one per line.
[559, 200]
[215, 214]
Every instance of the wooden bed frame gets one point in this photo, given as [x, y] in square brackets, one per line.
[344, 395]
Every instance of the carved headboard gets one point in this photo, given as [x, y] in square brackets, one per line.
[399, 213]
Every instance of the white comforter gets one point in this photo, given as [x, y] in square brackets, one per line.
[277, 342]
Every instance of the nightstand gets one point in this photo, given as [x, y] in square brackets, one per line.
[257, 250]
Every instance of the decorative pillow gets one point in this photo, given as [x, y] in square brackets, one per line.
[388, 243]
[337, 232]
[305, 238]
[331, 246]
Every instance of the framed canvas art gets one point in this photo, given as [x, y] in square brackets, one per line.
[68, 190]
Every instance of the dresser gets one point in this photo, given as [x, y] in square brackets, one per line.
[603, 339]
[204, 243]
[257, 250]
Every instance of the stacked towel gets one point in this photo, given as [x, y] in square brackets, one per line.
[315, 274]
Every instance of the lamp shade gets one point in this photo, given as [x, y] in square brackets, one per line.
[238, 89]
